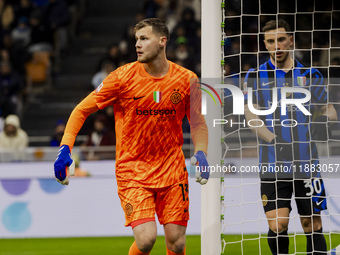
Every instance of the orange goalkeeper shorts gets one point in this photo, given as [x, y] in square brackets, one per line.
[171, 204]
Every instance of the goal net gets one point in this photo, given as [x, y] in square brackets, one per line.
[316, 43]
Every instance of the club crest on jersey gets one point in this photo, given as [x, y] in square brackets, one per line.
[175, 97]
[157, 96]
[301, 80]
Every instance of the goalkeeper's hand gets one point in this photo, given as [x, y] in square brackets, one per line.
[283, 149]
[200, 160]
[321, 129]
[63, 161]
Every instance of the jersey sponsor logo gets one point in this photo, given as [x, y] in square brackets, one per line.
[175, 97]
[136, 98]
[157, 96]
[128, 209]
[156, 112]
[301, 80]
[266, 84]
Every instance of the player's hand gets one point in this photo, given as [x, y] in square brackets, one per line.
[202, 172]
[63, 161]
[321, 129]
[283, 149]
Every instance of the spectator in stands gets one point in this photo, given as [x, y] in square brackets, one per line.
[100, 136]
[182, 53]
[13, 138]
[127, 46]
[41, 34]
[23, 8]
[58, 133]
[21, 34]
[57, 16]
[107, 68]
[40, 3]
[189, 23]
[151, 7]
[78, 171]
[113, 55]
[14, 53]
[110, 118]
[6, 14]
[11, 86]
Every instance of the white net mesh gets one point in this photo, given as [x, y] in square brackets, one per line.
[316, 44]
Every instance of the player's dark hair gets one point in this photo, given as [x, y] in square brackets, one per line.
[273, 24]
[158, 26]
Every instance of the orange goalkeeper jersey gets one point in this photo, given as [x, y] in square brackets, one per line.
[148, 114]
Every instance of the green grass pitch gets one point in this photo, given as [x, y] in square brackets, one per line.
[251, 245]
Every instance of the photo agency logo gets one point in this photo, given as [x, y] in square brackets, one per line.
[204, 96]
[281, 97]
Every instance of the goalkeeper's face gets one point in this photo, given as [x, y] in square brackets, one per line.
[278, 43]
[149, 45]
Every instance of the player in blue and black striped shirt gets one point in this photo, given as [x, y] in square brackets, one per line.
[285, 140]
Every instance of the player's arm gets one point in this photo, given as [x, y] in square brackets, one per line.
[329, 111]
[74, 124]
[106, 94]
[283, 148]
[251, 80]
[199, 132]
[262, 131]
[321, 128]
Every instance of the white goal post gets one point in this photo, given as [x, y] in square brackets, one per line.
[211, 68]
[242, 195]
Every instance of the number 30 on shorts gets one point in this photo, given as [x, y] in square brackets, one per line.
[314, 186]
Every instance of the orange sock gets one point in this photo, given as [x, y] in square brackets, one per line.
[168, 252]
[135, 251]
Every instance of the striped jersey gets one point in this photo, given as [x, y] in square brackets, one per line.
[262, 81]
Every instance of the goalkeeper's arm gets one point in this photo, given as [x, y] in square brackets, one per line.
[74, 124]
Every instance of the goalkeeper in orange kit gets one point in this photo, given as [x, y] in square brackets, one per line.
[150, 98]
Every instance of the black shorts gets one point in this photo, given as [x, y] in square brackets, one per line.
[310, 195]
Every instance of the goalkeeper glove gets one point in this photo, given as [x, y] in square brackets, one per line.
[200, 160]
[284, 151]
[321, 129]
[63, 161]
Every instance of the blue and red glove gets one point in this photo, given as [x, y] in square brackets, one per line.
[63, 161]
[202, 167]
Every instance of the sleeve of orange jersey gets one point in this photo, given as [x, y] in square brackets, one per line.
[198, 127]
[77, 119]
[106, 94]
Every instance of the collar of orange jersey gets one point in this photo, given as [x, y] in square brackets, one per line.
[144, 73]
